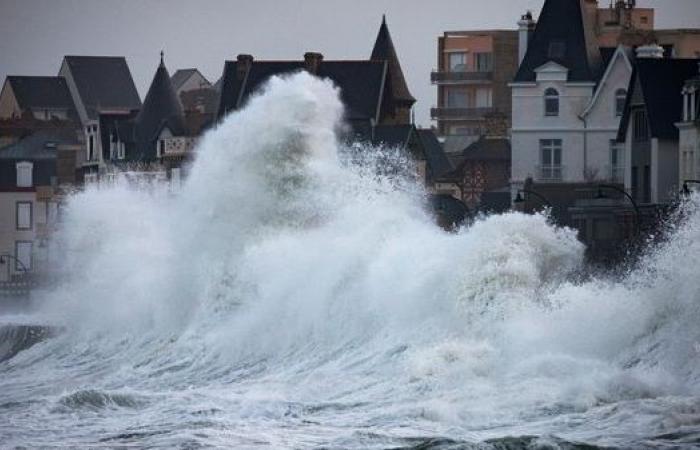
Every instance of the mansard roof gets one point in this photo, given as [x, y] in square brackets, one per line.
[360, 82]
[384, 50]
[40, 145]
[562, 35]
[103, 82]
[160, 108]
[661, 82]
[41, 92]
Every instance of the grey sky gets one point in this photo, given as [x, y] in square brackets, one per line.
[35, 34]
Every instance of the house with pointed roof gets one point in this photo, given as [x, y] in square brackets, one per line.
[40, 98]
[568, 97]
[658, 111]
[374, 91]
[689, 132]
[98, 85]
[154, 138]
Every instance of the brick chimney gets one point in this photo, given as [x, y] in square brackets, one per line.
[651, 51]
[526, 27]
[312, 62]
[243, 64]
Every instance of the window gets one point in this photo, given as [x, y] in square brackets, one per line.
[483, 98]
[24, 215]
[458, 61]
[641, 128]
[23, 253]
[551, 102]
[550, 159]
[161, 148]
[483, 62]
[644, 20]
[24, 174]
[620, 99]
[617, 162]
[121, 152]
[91, 147]
[457, 98]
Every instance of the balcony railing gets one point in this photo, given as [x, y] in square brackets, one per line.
[550, 174]
[459, 113]
[438, 77]
[179, 145]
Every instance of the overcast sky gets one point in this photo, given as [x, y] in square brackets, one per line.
[35, 34]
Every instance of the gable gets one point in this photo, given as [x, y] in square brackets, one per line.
[551, 71]
[617, 76]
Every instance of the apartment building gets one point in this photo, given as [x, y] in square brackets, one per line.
[474, 69]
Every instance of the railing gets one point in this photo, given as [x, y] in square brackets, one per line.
[179, 145]
[457, 77]
[459, 113]
[550, 173]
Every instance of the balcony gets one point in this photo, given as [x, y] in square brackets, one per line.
[460, 77]
[459, 113]
[550, 174]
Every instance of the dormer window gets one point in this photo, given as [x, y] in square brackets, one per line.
[24, 174]
[620, 99]
[551, 102]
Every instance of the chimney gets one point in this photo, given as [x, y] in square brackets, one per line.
[243, 64]
[312, 61]
[526, 26]
[651, 51]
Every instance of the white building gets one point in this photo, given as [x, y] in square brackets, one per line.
[689, 133]
[568, 97]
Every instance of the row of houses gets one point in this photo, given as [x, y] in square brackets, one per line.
[88, 125]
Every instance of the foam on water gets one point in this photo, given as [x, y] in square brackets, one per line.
[292, 295]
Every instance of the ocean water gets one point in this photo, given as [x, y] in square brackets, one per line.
[291, 295]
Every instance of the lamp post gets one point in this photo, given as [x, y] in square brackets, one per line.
[686, 189]
[637, 212]
[519, 198]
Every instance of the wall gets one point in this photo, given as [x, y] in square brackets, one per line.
[8, 226]
[8, 103]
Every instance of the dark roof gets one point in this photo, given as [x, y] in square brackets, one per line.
[488, 149]
[182, 75]
[41, 92]
[360, 83]
[160, 108]
[40, 145]
[384, 51]
[606, 54]
[103, 82]
[562, 35]
[661, 82]
[435, 156]
[448, 208]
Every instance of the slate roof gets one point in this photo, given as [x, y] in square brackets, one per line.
[488, 149]
[360, 83]
[160, 108]
[562, 35]
[103, 82]
[41, 92]
[661, 82]
[40, 145]
[435, 156]
[384, 50]
[182, 75]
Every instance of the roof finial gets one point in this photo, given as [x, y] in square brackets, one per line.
[162, 54]
[383, 19]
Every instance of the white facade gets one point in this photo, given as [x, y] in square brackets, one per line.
[689, 135]
[583, 126]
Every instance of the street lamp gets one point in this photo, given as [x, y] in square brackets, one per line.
[686, 189]
[519, 198]
[637, 213]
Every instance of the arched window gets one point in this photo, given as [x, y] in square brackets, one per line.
[551, 102]
[620, 99]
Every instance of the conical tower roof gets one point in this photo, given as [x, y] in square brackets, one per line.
[384, 50]
[161, 107]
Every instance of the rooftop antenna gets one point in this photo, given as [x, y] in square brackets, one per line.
[162, 55]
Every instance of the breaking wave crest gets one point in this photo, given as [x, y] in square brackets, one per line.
[292, 296]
